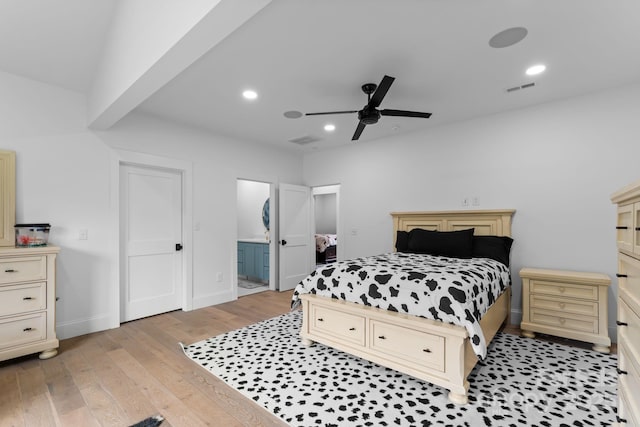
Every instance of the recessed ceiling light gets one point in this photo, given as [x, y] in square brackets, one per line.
[508, 37]
[329, 127]
[250, 94]
[536, 69]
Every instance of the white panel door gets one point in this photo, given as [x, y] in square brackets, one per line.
[296, 248]
[151, 227]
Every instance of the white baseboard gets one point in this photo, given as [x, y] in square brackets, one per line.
[76, 328]
[213, 299]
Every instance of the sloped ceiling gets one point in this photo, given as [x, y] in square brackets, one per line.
[314, 56]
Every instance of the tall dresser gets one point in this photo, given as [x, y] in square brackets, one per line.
[628, 321]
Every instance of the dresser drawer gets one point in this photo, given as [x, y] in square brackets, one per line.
[337, 324]
[566, 305]
[415, 347]
[628, 409]
[629, 376]
[20, 330]
[629, 333]
[629, 281]
[566, 321]
[565, 290]
[23, 269]
[18, 299]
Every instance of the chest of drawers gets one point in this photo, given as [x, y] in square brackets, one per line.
[27, 302]
[567, 304]
[628, 319]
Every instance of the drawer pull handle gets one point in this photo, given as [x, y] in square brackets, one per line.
[561, 289]
[27, 298]
[621, 372]
[27, 329]
[562, 320]
[382, 337]
[619, 323]
[426, 350]
[10, 270]
[352, 329]
[320, 319]
[622, 227]
[621, 275]
[562, 305]
[637, 228]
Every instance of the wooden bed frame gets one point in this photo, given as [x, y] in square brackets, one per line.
[430, 350]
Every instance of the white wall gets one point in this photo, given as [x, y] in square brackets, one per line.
[63, 177]
[557, 164]
[251, 198]
[325, 213]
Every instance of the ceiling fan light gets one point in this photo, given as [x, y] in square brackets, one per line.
[329, 127]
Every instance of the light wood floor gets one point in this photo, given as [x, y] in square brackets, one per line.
[121, 376]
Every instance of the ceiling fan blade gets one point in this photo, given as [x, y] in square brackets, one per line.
[381, 91]
[402, 113]
[358, 131]
[330, 112]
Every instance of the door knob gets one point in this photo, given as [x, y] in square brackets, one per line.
[283, 242]
[178, 247]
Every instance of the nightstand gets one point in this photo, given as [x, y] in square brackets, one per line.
[567, 304]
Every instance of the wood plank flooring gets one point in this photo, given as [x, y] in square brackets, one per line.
[121, 376]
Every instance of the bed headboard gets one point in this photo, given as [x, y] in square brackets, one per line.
[485, 222]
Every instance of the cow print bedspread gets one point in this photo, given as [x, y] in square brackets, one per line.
[453, 290]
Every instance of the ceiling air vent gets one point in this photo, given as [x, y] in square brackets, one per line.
[525, 86]
[304, 140]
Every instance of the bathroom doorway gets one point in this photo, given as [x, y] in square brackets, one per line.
[326, 202]
[254, 239]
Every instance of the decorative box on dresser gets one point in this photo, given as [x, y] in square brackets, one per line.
[28, 302]
[628, 320]
[569, 304]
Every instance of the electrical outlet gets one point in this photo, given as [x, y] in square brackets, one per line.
[354, 231]
[465, 201]
[475, 201]
[83, 234]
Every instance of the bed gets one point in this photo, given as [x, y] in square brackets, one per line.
[432, 349]
[326, 245]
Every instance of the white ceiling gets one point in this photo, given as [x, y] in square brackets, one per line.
[314, 56]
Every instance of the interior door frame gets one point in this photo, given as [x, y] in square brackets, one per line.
[273, 240]
[329, 189]
[185, 169]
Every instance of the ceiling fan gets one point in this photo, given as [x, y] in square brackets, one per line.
[370, 114]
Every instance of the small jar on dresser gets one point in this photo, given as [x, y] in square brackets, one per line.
[628, 319]
[28, 302]
[568, 304]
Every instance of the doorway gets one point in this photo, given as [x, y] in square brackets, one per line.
[254, 236]
[326, 229]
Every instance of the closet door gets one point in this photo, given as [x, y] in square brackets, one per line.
[7, 197]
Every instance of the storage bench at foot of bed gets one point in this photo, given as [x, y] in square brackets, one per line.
[426, 349]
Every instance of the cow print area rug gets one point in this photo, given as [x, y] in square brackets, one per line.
[523, 382]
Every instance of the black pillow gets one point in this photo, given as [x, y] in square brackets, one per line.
[456, 244]
[494, 247]
[402, 241]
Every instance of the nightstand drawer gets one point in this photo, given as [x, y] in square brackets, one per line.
[564, 320]
[24, 269]
[567, 305]
[416, 347]
[565, 290]
[22, 298]
[21, 330]
[337, 324]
